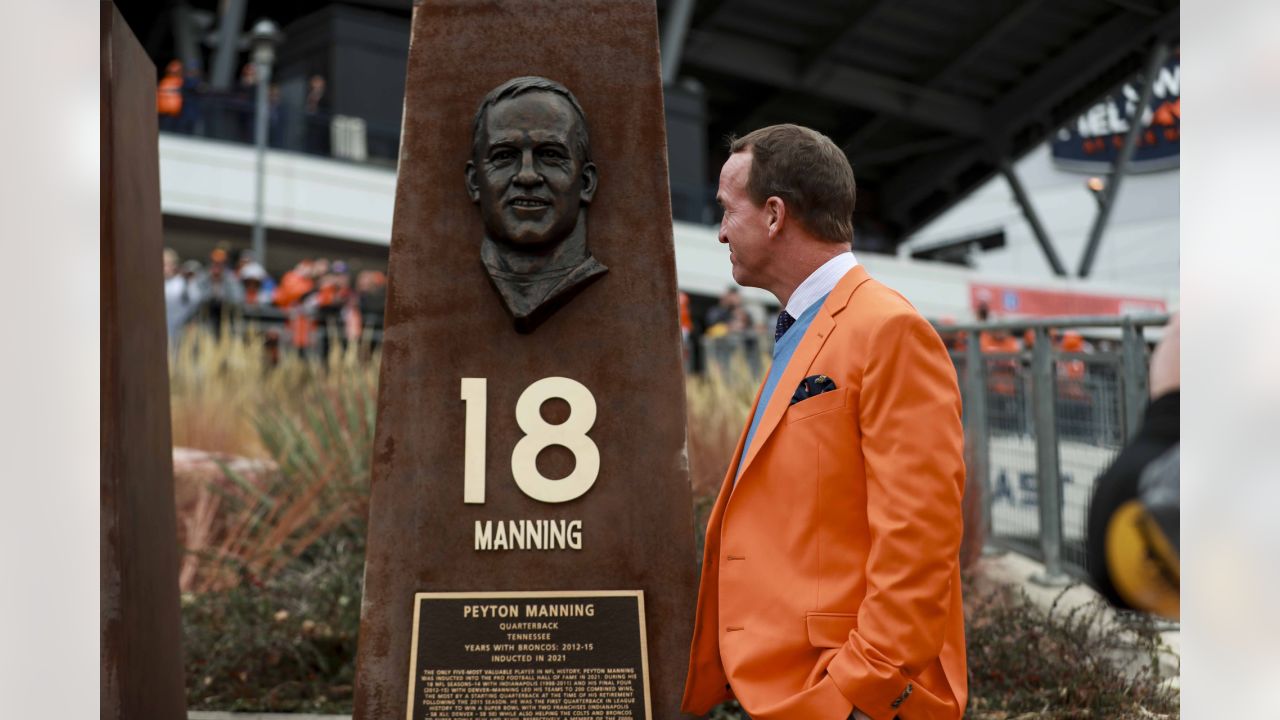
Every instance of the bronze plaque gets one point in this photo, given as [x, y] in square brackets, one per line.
[531, 411]
[529, 655]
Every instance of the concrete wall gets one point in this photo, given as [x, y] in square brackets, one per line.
[212, 180]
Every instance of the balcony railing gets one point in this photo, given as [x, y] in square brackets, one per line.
[230, 117]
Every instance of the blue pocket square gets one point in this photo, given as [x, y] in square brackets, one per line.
[812, 385]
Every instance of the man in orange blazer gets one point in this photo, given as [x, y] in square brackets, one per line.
[830, 580]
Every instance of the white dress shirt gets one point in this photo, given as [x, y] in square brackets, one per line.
[819, 283]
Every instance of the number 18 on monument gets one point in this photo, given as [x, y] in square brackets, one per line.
[529, 534]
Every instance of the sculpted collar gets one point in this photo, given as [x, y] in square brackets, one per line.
[532, 297]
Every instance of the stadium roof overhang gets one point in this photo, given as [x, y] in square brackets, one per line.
[928, 97]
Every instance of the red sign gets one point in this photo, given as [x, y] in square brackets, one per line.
[1005, 301]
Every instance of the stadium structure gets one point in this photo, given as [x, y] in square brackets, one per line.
[1020, 154]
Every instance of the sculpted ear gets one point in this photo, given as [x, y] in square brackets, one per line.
[776, 211]
[590, 178]
[473, 183]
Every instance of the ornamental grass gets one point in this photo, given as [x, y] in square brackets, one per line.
[273, 535]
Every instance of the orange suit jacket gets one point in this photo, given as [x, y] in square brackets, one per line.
[830, 575]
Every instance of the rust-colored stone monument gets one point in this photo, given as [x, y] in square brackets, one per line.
[530, 546]
[142, 672]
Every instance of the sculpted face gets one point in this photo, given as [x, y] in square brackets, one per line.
[528, 174]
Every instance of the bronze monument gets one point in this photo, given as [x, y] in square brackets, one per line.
[531, 549]
[532, 176]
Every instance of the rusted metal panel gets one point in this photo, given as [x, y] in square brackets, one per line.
[142, 671]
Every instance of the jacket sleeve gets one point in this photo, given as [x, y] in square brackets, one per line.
[913, 450]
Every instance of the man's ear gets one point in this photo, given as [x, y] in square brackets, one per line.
[590, 179]
[776, 212]
[473, 183]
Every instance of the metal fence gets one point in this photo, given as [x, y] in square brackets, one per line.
[230, 117]
[1042, 423]
[323, 331]
[751, 350]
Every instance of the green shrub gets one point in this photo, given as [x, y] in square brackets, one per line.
[1064, 664]
[284, 644]
[273, 622]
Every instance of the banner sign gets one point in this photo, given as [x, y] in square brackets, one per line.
[1005, 301]
[1092, 142]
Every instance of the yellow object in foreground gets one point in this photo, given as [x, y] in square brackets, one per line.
[1142, 562]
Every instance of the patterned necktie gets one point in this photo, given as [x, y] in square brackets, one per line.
[784, 321]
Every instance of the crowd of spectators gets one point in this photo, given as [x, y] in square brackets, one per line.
[732, 329]
[315, 301]
[186, 104]
[730, 318]
[1008, 376]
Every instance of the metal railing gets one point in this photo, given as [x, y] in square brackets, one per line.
[325, 329]
[230, 117]
[751, 350]
[1042, 424]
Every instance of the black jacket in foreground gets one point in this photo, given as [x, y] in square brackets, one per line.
[1119, 484]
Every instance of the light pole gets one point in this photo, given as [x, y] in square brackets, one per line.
[1096, 187]
[263, 38]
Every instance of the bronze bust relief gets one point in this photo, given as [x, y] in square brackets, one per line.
[532, 177]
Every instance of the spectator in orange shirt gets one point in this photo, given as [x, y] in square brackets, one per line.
[1072, 369]
[330, 303]
[294, 288]
[686, 324]
[1076, 413]
[1002, 374]
[295, 285]
[169, 96]
[995, 341]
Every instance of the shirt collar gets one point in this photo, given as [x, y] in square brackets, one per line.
[819, 283]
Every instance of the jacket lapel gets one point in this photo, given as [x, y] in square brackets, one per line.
[814, 338]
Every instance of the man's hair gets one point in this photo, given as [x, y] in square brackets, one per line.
[808, 171]
[516, 87]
